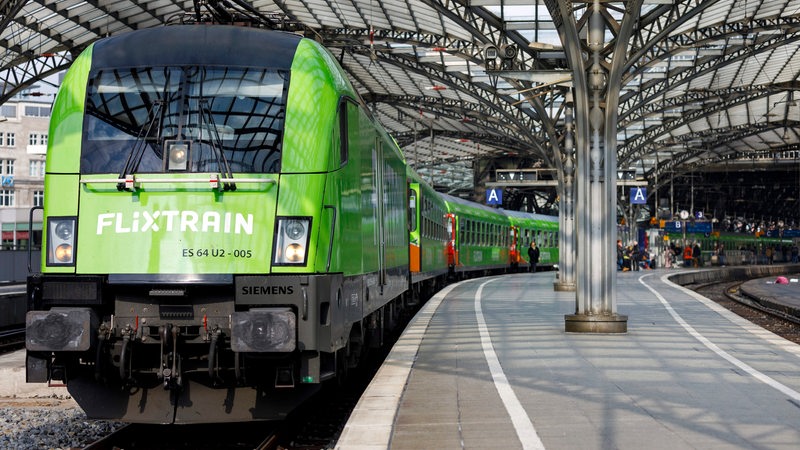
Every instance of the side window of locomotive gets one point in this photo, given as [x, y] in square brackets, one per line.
[233, 116]
[346, 109]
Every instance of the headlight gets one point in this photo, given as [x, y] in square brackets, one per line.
[64, 253]
[294, 229]
[294, 253]
[64, 230]
[291, 241]
[61, 241]
[264, 330]
[58, 330]
[177, 155]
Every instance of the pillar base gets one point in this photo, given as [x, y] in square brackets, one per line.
[595, 323]
[563, 286]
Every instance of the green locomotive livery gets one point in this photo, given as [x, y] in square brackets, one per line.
[226, 227]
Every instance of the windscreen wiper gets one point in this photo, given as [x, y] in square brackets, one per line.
[216, 144]
[140, 146]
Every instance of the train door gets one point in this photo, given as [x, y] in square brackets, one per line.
[514, 250]
[452, 253]
[414, 232]
[380, 227]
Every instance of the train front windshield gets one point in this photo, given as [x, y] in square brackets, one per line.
[219, 119]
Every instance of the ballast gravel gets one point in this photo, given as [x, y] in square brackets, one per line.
[50, 428]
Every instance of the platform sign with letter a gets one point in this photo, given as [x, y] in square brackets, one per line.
[638, 196]
[494, 196]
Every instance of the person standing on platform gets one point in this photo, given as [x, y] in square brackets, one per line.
[697, 254]
[687, 256]
[633, 255]
[533, 256]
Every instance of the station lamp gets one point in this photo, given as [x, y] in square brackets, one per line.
[490, 55]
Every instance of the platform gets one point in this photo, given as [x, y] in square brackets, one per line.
[13, 385]
[781, 297]
[487, 364]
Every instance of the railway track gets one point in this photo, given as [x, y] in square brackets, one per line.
[728, 295]
[12, 339]
[314, 426]
[236, 436]
[736, 294]
[12, 319]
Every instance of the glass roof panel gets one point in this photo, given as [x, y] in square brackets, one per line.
[717, 15]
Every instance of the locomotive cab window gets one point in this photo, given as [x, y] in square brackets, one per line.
[348, 111]
[194, 119]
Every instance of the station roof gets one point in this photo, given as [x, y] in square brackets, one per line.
[707, 82]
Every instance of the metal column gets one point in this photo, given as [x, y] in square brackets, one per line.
[566, 218]
[596, 93]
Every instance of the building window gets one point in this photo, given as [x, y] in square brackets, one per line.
[37, 111]
[38, 198]
[37, 139]
[6, 167]
[8, 111]
[11, 139]
[36, 169]
[7, 197]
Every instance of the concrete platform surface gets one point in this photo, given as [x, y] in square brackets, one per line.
[13, 385]
[487, 365]
[783, 297]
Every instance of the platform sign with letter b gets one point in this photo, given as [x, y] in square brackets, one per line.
[494, 196]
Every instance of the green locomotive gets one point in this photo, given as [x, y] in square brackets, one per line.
[222, 213]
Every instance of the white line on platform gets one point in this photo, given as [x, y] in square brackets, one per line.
[519, 418]
[722, 353]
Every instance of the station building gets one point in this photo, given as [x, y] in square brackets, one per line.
[24, 123]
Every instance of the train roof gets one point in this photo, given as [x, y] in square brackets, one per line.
[535, 216]
[466, 203]
[500, 211]
[197, 44]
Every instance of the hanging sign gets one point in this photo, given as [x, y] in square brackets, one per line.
[638, 196]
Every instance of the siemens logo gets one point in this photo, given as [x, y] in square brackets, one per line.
[183, 221]
[267, 290]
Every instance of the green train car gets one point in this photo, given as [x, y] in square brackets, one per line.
[482, 237]
[538, 228]
[740, 248]
[227, 227]
[490, 240]
[428, 236]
